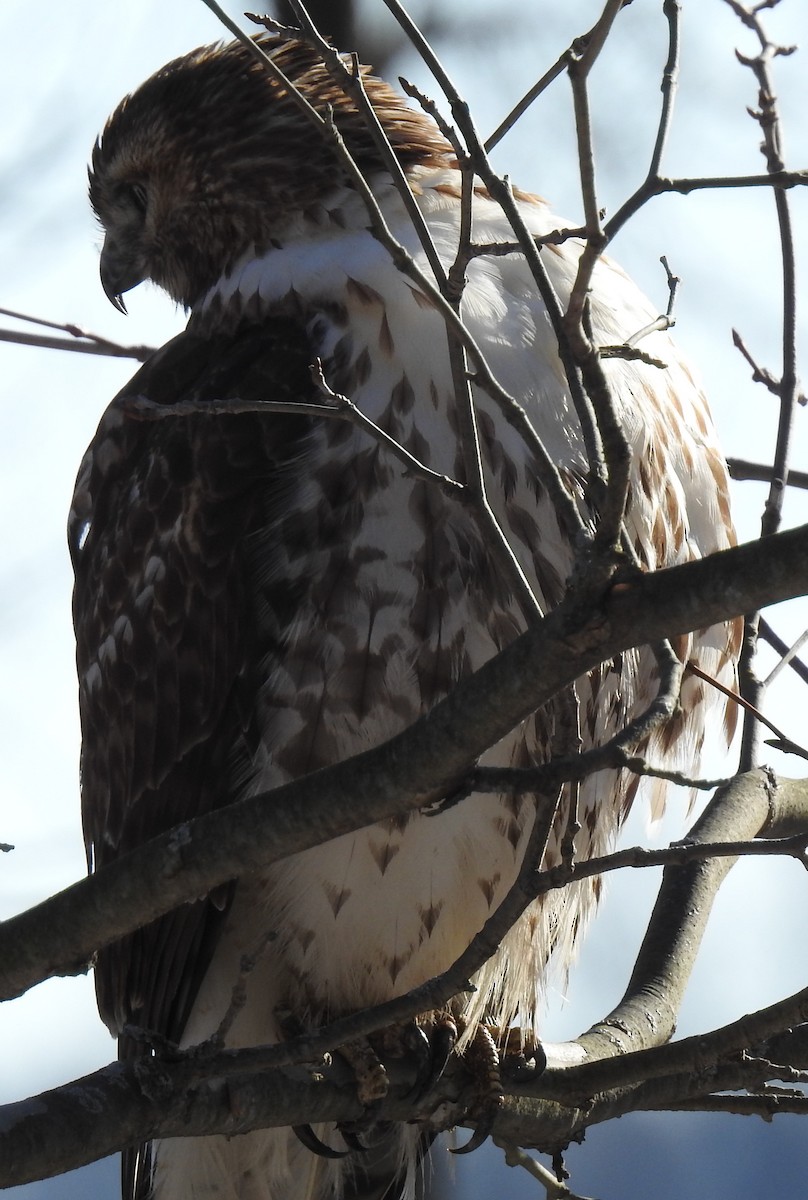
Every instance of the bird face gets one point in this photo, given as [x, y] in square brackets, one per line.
[162, 218]
[211, 158]
[124, 261]
[160, 223]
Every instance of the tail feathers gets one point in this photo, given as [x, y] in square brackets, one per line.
[272, 1165]
[392, 1168]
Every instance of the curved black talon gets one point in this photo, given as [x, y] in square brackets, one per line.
[520, 1067]
[484, 1126]
[431, 1055]
[418, 1045]
[307, 1137]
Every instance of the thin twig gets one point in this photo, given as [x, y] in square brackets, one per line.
[466, 250]
[558, 68]
[614, 754]
[340, 407]
[556, 237]
[616, 454]
[238, 996]
[87, 343]
[759, 374]
[749, 708]
[429, 106]
[664, 321]
[740, 469]
[662, 186]
[787, 658]
[522, 780]
[555, 1189]
[670, 81]
[468, 428]
[781, 647]
[500, 191]
[764, 1105]
[106, 349]
[414, 466]
[768, 118]
[97, 344]
[352, 85]
[568, 723]
[632, 353]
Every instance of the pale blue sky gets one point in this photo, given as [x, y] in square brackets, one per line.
[62, 70]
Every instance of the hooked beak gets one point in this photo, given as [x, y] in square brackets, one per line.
[119, 273]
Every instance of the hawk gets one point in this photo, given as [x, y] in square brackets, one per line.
[261, 594]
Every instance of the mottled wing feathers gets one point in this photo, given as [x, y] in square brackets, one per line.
[163, 511]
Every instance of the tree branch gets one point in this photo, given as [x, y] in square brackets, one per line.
[430, 758]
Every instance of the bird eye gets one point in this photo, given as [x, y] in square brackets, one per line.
[139, 196]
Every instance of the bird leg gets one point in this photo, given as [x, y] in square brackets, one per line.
[372, 1085]
[429, 1043]
[489, 1052]
[482, 1060]
[522, 1056]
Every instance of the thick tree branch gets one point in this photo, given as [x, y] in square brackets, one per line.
[197, 1094]
[60, 935]
[646, 1016]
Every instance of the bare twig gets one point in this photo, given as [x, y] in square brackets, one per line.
[765, 1105]
[787, 658]
[466, 412]
[499, 249]
[740, 469]
[97, 346]
[616, 455]
[665, 321]
[759, 374]
[578, 46]
[88, 343]
[339, 407]
[483, 377]
[749, 709]
[351, 83]
[500, 191]
[413, 465]
[768, 119]
[705, 183]
[614, 754]
[555, 1189]
[238, 996]
[518, 780]
[781, 647]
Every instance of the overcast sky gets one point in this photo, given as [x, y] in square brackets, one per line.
[62, 70]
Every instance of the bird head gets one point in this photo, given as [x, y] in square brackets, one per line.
[211, 156]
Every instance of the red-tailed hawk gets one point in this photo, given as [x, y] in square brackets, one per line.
[258, 596]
